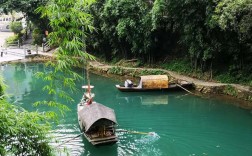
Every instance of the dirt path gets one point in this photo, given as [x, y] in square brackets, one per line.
[3, 36]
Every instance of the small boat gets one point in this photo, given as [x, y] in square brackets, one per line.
[96, 121]
[153, 83]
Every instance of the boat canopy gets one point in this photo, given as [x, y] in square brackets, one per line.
[153, 82]
[96, 114]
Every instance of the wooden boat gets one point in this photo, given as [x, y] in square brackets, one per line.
[97, 122]
[153, 83]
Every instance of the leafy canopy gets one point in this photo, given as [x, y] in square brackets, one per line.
[70, 24]
[22, 132]
[16, 27]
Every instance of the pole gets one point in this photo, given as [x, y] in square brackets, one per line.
[36, 48]
[70, 140]
[43, 47]
[2, 52]
[24, 51]
[136, 132]
[184, 88]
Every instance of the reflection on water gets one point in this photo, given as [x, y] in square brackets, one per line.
[65, 138]
[182, 124]
[148, 99]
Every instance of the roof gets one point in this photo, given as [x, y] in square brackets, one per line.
[94, 112]
[154, 81]
[154, 77]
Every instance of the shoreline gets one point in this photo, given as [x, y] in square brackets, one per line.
[232, 92]
[243, 94]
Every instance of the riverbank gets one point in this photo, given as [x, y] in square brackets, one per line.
[200, 87]
[203, 87]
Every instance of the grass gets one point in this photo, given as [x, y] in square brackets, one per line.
[178, 65]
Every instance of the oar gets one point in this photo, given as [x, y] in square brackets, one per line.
[69, 140]
[136, 132]
[184, 89]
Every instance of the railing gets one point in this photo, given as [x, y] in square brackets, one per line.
[25, 51]
[15, 44]
[14, 53]
[28, 49]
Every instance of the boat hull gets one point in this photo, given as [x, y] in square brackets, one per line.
[171, 87]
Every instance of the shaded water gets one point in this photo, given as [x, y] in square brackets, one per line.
[184, 125]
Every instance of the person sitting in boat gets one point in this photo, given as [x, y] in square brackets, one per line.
[87, 98]
[128, 83]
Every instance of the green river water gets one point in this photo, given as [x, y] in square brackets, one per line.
[184, 125]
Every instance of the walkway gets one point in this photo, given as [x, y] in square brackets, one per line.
[14, 53]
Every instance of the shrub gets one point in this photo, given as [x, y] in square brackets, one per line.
[37, 36]
[12, 39]
[230, 90]
[16, 27]
[22, 133]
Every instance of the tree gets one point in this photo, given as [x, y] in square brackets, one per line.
[22, 132]
[25, 135]
[27, 7]
[69, 22]
[233, 17]
[16, 27]
[123, 28]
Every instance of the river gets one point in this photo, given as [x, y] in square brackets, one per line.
[182, 124]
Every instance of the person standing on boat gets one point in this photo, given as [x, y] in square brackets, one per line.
[87, 97]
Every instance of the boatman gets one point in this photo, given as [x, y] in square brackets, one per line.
[87, 97]
[128, 83]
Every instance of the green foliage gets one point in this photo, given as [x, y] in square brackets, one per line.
[178, 65]
[225, 78]
[123, 27]
[214, 34]
[116, 70]
[22, 132]
[37, 36]
[233, 75]
[69, 22]
[2, 86]
[230, 90]
[235, 15]
[16, 27]
[27, 7]
[12, 39]
[151, 72]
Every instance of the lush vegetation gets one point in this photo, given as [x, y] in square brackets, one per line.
[69, 22]
[213, 36]
[16, 27]
[22, 132]
[27, 7]
[195, 36]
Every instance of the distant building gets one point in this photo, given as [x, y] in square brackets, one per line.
[5, 20]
